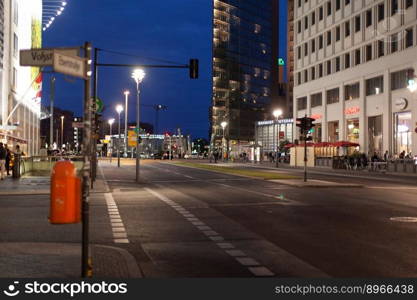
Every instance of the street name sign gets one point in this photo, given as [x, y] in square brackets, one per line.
[69, 65]
[43, 57]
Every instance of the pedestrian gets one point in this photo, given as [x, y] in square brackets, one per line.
[402, 155]
[216, 156]
[386, 156]
[8, 159]
[375, 157]
[3, 155]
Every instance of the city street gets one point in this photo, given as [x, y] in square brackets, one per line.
[187, 222]
[289, 231]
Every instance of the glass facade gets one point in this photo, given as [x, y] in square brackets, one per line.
[402, 133]
[242, 59]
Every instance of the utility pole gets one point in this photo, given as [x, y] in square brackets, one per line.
[85, 266]
[51, 119]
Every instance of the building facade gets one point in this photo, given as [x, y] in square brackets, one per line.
[271, 133]
[20, 87]
[353, 63]
[243, 56]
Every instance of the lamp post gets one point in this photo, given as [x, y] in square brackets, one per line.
[119, 109]
[111, 121]
[138, 75]
[223, 125]
[62, 132]
[126, 93]
[277, 114]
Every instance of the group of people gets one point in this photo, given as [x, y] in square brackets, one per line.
[7, 158]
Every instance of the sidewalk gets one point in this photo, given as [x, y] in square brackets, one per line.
[32, 248]
[63, 260]
[37, 185]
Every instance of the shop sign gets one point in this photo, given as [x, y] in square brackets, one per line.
[401, 103]
[352, 110]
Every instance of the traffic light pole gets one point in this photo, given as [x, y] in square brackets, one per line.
[305, 157]
[85, 268]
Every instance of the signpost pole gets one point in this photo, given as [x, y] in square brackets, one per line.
[85, 268]
[305, 154]
[51, 119]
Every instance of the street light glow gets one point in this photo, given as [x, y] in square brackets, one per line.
[126, 93]
[111, 121]
[277, 113]
[138, 75]
[223, 124]
[119, 108]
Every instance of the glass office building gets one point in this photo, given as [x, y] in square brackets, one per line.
[242, 62]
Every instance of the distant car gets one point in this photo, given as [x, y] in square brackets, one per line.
[157, 155]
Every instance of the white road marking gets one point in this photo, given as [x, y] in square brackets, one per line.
[253, 266]
[121, 241]
[118, 229]
[119, 234]
[225, 245]
[260, 271]
[235, 253]
[204, 227]
[247, 261]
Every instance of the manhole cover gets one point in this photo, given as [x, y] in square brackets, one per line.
[404, 219]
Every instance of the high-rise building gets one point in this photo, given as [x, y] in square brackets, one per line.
[242, 64]
[21, 28]
[354, 72]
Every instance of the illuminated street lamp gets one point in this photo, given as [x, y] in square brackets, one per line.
[119, 109]
[111, 121]
[126, 93]
[223, 125]
[277, 113]
[138, 75]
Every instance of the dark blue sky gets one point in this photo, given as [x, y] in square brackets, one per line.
[173, 30]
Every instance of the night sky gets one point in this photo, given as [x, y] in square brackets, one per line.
[170, 30]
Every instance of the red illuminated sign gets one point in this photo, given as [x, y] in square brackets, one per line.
[352, 110]
[316, 116]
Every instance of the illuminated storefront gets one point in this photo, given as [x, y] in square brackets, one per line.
[21, 93]
[269, 134]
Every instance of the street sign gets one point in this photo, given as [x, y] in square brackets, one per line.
[69, 65]
[131, 138]
[78, 124]
[99, 105]
[8, 127]
[43, 57]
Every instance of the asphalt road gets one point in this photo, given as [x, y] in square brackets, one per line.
[186, 222]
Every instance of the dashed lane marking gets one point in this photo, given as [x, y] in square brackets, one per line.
[118, 229]
[228, 248]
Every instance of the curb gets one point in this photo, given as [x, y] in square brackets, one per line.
[331, 185]
[131, 264]
[24, 193]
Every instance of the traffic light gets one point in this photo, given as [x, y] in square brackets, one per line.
[305, 124]
[193, 68]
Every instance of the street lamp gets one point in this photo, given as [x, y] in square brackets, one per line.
[137, 75]
[277, 114]
[111, 121]
[62, 132]
[126, 106]
[223, 125]
[119, 109]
